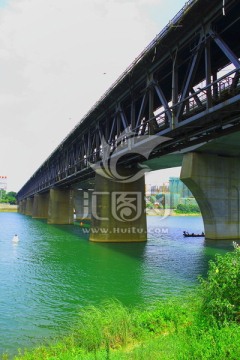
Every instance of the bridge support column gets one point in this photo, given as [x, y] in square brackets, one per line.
[20, 207]
[215, 183]
[118, 210]
[82, 200]
[29, 206]
[24, 203]
[60, 209]
[40, 206]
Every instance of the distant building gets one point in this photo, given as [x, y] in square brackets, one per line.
[176, 186]
[156, 189]
[3, 185]
[170, 194]
[179, 193]
[3, 182]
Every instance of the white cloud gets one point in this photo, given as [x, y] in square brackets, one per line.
[52, 59]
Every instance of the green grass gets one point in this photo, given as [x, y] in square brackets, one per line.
[165, 330]
[204, 326]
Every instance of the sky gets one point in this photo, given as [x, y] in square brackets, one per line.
[57, 58]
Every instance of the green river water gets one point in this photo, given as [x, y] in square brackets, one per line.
[53, 271]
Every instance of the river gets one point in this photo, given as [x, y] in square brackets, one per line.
[54, 270]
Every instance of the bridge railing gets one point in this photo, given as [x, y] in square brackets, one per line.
[219, 90]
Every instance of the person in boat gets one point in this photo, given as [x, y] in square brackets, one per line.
[185, 233]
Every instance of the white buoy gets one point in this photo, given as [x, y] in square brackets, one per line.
[15, 239]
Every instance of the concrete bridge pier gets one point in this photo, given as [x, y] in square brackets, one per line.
[215, 183]
[82, 200]
[60, 210]
[118, 209]
[29, 206]
[20, 207]
[24, 204]
[40, 206]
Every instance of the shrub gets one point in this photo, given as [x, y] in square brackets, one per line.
[187, 209]
[221, 289]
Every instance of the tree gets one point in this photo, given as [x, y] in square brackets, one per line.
[12, 194]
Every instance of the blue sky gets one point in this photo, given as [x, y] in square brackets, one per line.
[52, 58]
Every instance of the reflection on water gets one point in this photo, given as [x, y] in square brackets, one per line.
[54, 270]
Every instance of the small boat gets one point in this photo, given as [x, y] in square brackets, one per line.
[187, 234]
[15, 239]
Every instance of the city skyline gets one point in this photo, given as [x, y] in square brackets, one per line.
[161, 176]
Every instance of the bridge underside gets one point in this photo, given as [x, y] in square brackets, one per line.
[212, 172]
[228, 146]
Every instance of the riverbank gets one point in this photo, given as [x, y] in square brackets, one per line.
[164, 331]
[149, 212]
[8, 208]
[203, 326]
[168, 212]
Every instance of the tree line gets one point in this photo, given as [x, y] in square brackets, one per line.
[158, 201]
[8, 197]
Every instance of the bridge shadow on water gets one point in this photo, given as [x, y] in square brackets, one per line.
[81, 233]
[167, 255]
[130, 249]
[137, 250]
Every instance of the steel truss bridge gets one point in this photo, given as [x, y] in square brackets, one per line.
[184, 86]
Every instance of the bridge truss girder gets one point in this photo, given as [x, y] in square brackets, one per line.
[181, 88]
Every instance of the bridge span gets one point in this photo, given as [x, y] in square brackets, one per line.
[178, 103]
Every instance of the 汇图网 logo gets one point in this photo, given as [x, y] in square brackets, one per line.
[126, 206]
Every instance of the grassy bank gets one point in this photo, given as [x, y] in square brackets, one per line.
[203, 326]
[8, 208]
[170, 330]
